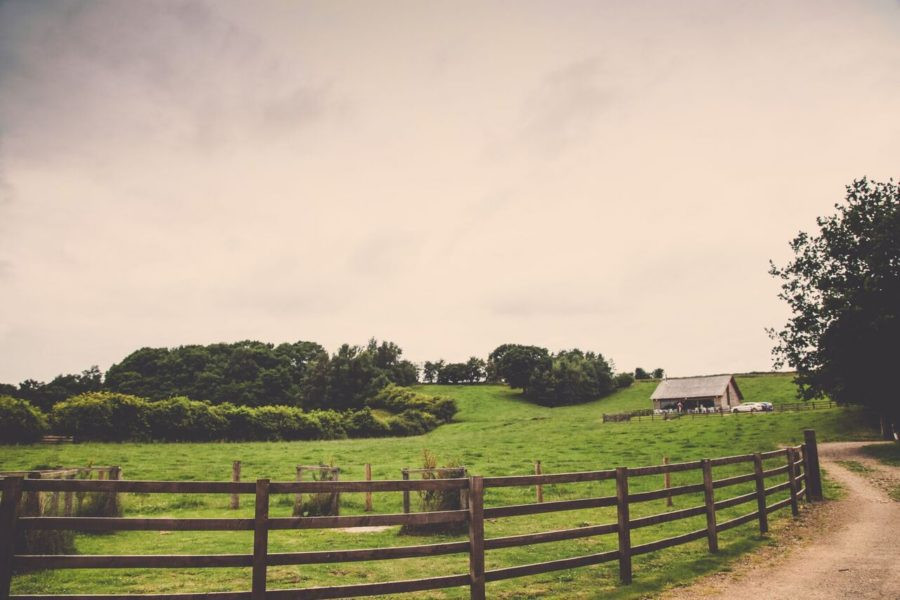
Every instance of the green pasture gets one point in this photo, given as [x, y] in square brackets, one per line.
[495, 433]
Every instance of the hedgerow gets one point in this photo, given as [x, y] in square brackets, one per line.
[108, 416]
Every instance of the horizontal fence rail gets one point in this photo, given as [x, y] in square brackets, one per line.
[800, 466]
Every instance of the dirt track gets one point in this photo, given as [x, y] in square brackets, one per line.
[849, 549]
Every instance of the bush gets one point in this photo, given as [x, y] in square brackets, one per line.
[411, 422]
[102, 416]
[438, 500]
[398, 399]
[184, 420]
[323, 504]
[623, 380]
[20, 422]
[362, 423]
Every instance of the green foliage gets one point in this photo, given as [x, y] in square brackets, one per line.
[572, 377]
[438, 500]
[515, 363]
[623, 380]
[102, 416]
[322, 504]
[345, 380]
[398, 399]
[843, 288]
[246, 373]
[20, 422]
[640, 373]
[184, 420]
[106, 416]
[45, 395]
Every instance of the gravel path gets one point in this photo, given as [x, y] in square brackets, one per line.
[848, 549]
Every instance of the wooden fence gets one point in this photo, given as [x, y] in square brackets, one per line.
[651, 415]
[801, 467]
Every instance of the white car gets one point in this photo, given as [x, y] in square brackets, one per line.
[749, 407]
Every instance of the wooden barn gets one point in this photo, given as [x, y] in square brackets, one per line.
[714, 391]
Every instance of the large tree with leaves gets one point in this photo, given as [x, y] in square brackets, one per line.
[843, 288]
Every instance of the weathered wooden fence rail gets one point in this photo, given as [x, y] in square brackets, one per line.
[801, 468]
[650, 415]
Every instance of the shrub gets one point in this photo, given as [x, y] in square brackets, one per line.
[438, 500]
[623, 380]
[323, 504]
[397, 399]
[20, 422]
[362, 423]
[184, 420]
[102, 416]
[411, 422]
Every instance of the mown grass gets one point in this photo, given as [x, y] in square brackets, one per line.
[496, 433]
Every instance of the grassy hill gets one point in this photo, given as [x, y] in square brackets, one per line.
[496, 432]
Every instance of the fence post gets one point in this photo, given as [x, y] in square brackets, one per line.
[260, 539]
[476, 538]
[624, 525]
[711, 535]
[805, 456]
[115, 474]
[32, 505]
[369, 493]
[667, 481]
[336, 496]
[405, 473]
[814, 476]
[760, 493]
[538, 489]
[298, 497]
[792, 473]
[236, 478]
[12, 493]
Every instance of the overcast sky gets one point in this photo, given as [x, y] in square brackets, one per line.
[451, 176]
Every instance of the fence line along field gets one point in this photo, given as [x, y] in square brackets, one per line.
[496, 433]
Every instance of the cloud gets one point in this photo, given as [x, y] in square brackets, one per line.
[566, 105]
[80, 76]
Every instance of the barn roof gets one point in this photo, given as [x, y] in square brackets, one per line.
[693, 387]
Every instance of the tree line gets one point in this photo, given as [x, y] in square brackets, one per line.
[303, 375]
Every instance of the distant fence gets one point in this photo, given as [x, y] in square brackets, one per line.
[650, 415]
[801, 467]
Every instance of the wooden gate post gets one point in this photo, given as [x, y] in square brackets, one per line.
[236, 478]
[260, 539]
[476, 538]
[711, 535]
[814, 476]
[804, 455]
[369, 493]
[792, 474]
[624, 526]
[405, 474]
[12, 493]
[760, 493]
[538, 489]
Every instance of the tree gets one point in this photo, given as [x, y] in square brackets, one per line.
[640, 373]
[659, 373]
[843, 288]
[571, 377]
[475, 368]
[515, 363]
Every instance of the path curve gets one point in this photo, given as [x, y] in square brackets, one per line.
[848, 549]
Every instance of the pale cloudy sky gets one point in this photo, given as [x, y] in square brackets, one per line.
[613, 176]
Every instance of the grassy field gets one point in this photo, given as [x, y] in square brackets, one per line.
[496, 433]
